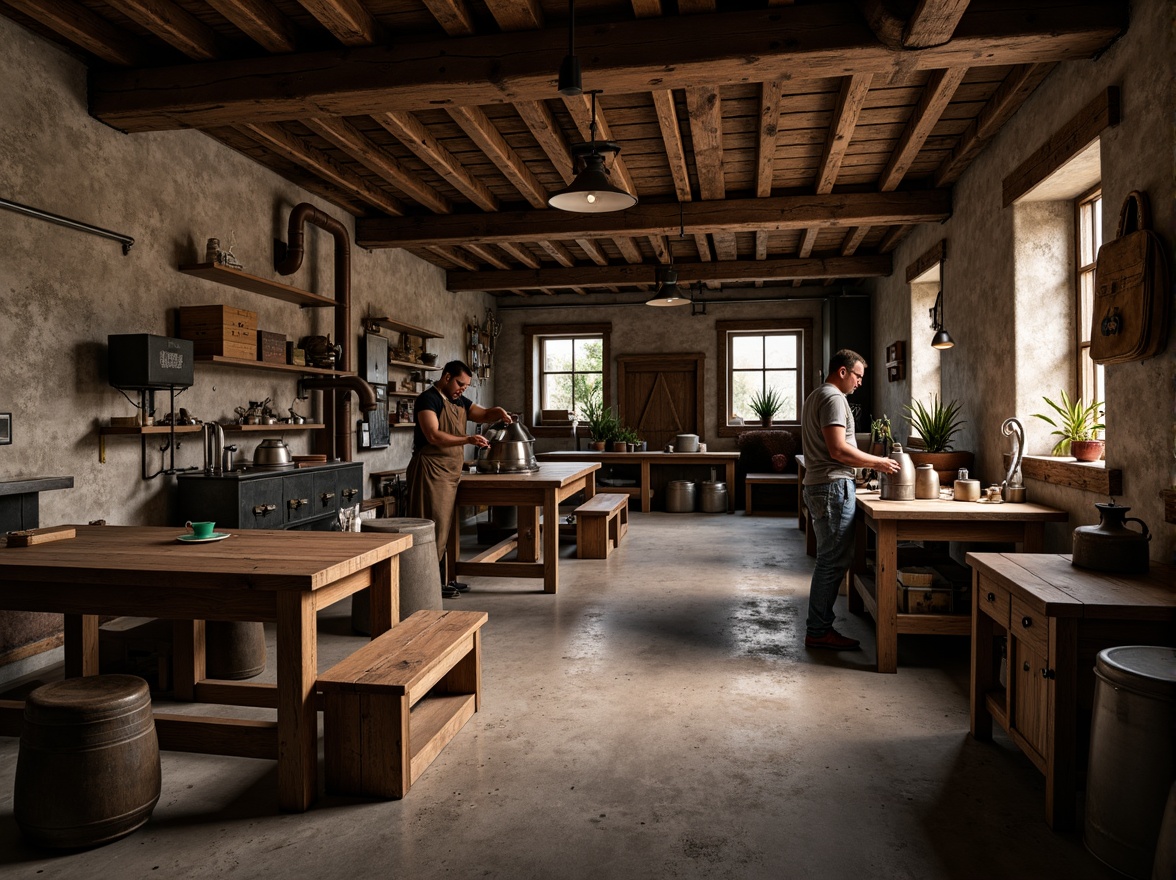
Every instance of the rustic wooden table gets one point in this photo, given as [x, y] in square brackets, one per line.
[532, 494]
[650, 460]
[280, 576]
[930, 520]
[1056, 618]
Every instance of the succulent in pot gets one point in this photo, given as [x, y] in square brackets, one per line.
[765, 404]
[937, 423]
[1077, 425]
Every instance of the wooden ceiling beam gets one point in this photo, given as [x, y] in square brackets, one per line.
[705, 109]
[628, 249]
[933, 101]
[276, 138]
[771, 95]
[174, 25]
[521, 254]
[794, 43]
[480, 129]
[543, 127]
[84, 29]
[647, 8]
[413, 134]
[932, 23]
[454, 256]
[486, 254]
[349, 21]
[516, 15]
[646, 219]
[346, 137]
[453, 16]
[688, 273]
[558, 252]
[667, 120]
[261, 21]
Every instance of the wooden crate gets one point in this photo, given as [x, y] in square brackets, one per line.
[271, 347]
[219, 330]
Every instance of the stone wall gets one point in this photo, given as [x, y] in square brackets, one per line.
[999, 373]
[62, 292]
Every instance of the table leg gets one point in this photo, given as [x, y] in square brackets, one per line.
[981, 679]
[452, 549]
[646, 487]
[730, 486]
[550, 542]
[188, 657]
[81, 645]
[589, 484]
[1060, 724]
[1034, 540]
[385, 595]
[886, 595]
[528, 536]
[853, 598]
[297, 715]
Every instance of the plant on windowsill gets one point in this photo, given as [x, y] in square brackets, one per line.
[765, 404]
[602, 423]
[937, 424]
[1077, 426]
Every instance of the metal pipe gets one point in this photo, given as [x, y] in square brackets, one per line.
[49, 217]
[340, 435]
[640, 302]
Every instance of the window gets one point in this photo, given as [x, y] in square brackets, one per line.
[756, 357]
[571, 371]
[1091, 376]
[564, 362]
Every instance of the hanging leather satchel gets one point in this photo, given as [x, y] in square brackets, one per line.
[1131, 296]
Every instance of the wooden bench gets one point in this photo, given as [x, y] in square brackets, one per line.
[768, 480]
[601, 522]
[390, 707]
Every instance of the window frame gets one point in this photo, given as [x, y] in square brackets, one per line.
[1087, 383]
[533, 334]
[723, 371]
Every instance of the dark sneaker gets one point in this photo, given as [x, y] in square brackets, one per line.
[449, 592]
[832, 640]
[459, 586]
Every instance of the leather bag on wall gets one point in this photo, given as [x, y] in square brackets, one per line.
[1131, 296]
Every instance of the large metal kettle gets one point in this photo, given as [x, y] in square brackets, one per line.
[900, 486]
[511, 450]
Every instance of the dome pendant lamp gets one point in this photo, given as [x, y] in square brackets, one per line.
[592, 192]
[667, 293]
[942, 339]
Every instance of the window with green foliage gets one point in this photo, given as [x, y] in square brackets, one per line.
[571, 371]
[759, 363]
[1091, 376]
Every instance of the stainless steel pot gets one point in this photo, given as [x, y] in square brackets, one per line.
[686, 443]
[511, 450]
[272, 454]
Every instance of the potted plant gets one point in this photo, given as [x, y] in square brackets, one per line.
[602, 423]
[937, 424]
[1077, 426]
[880, 439]
[765, 404]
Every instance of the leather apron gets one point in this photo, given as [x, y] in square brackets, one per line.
[433, 473]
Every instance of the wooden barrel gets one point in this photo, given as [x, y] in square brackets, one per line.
[234, 649]
[420, 577]
[88, 768]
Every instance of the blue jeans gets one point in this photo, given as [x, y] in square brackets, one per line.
[831, 508]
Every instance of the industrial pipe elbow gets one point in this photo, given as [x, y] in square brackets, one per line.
[365, 392]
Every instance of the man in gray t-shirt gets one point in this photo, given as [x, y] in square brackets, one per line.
[830, 455]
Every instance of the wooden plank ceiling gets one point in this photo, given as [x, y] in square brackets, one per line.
[767, 141]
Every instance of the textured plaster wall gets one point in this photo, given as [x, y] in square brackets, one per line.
[994, 371]
[62, 292]
[638, 329]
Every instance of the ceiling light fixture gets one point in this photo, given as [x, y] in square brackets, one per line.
[942, 339]
[592, 192]
[697, 303]
[667, 293]
[570, 82]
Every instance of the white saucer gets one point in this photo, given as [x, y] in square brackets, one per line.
[192, 539]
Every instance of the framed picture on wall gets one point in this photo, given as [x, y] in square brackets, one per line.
[896, 361]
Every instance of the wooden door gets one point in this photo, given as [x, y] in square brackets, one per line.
[661, 396]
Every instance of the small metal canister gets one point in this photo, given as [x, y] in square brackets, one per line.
[900, 486]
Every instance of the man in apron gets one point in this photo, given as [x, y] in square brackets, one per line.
[438, 442]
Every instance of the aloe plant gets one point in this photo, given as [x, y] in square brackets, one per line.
[766, 404]
[937, 424]
[1074, 421]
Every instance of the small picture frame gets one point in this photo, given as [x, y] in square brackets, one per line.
[896, 361]
[5, 429]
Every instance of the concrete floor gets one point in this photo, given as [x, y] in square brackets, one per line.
[657, 718]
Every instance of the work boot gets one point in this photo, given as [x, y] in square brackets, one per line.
[833, 640]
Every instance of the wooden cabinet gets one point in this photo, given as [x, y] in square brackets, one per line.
[1053, 619]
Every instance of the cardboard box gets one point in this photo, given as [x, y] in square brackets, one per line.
[917, 576]
[924, 600]
[271, 347]
[219, 330]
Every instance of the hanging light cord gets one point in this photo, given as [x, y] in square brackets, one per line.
[571, 27]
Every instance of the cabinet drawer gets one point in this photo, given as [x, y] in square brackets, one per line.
[261, 504]
[1029, 626]
[993, 600]
[350, 485]
[325, 498]
[297, 499]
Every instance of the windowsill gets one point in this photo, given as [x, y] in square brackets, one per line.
[1089, 476]
[736, 430]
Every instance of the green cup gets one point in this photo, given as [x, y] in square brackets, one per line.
[201, 529]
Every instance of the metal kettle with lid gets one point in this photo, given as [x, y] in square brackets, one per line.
[900, 486]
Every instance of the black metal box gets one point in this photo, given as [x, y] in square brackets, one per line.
[141, 360]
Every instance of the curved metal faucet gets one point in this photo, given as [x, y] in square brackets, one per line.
[1017, 430]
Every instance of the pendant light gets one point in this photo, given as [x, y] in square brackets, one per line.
[942, 339]
[592, 192]
[570, 82]
[667, 293]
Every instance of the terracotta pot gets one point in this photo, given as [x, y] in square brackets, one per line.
[620, 446]
[1087, 450]
[598, 445]
[946, 464]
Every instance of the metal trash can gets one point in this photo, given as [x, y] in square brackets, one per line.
[1131, 755]
[714, 497]
[680, 496]
[420, 578]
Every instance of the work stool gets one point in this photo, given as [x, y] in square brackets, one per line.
[88, 768]
[601, 522]
[420, 576]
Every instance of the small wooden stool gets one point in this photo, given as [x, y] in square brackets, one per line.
[601, 523]
[88, 768]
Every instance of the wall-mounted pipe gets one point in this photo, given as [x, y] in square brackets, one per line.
[125, 240]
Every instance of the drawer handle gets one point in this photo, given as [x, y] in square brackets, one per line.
[992, 597]
[295, 503]
[350, 493]
[327, 496]
[264, 509]
[1026, 622]
[1047, 673]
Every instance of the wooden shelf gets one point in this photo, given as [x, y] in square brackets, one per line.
[413, 365]
[139, 430]
[401, 327]
[403, 425]
[264, 365]
[281, 426]
[256, 284]
[1090, 476]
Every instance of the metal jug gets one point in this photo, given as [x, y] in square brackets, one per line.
[900, 486]
[1111, 546]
